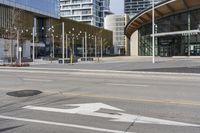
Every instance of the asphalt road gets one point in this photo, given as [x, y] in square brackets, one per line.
[79, 101]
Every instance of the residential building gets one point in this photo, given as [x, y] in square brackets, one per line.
[133, 7]
[116, 23]
[22, 21]
[87, 11]
[177, 30]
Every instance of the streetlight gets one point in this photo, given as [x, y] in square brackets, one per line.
[95, 52]
[52, 37]
[73, 44]
[73, 37]
[17, 45]
[66, 45]
[153, 31]
[85, 46]
[101, 47]
[33, 51]
[53, 41]
[63, 43]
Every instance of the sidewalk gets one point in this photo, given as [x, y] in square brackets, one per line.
[163, 64]
[41, 61]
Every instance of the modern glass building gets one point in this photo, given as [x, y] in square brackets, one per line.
[87, 11]
[133, 7]
[18, 21]
[177, 29]
[44, 7]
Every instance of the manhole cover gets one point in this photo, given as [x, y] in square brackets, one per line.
[24, 93]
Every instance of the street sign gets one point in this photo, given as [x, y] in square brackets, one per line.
[92, 109]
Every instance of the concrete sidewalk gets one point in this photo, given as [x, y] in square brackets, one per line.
[117, 59]
[163, 64]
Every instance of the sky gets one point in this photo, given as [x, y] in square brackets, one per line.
[117, 6]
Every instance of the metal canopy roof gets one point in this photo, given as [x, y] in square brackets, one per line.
[162, 9]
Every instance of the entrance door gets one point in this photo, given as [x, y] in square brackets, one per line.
[164, 45]
[170, 46]
[165, 51]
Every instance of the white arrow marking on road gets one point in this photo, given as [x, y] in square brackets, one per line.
[90, 109]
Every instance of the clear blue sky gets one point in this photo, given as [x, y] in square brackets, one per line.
[117, 6]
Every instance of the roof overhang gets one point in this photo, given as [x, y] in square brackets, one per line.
[162, 9]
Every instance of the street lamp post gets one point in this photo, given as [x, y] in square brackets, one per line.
[17, 54]
[66, 46]
[33, 51]
[95, 46]
[53, 50]
[85, 46]
[101, 47]
[63, 43]
[73, 45]
[153, 31]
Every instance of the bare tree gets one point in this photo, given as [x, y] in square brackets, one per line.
[14, 25]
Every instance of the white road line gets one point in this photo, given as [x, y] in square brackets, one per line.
[65, 72]
[121, 74]
[62, 124]
[37, 80]
[127, 85]
[106, 71]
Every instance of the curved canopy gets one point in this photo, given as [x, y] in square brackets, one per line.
[161, 10]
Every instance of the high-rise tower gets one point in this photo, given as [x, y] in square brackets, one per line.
[87, 11]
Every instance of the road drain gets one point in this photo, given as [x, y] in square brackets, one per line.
[24, 93]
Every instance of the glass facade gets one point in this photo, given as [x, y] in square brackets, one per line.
[44, 7]
[48, 32]
[172, 45]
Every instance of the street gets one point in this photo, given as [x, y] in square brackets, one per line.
[81, 101]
